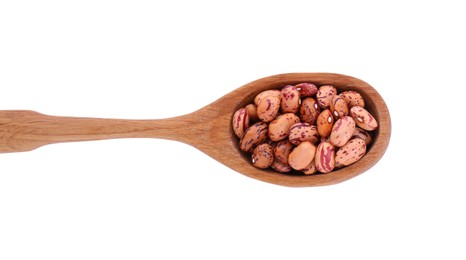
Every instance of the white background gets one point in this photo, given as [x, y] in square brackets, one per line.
[157, 199]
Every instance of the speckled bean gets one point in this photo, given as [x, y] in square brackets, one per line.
[289, 99]
[240, 122]
[262, 156]
[301, 132]
[280, 166]
[342, 131]
[352, 98]
[306, 89]
[325, 123]
[282, 150]
[302, 155]
[270, 92]
[254, 135]
[325, 95]
[309, 110]
[363, 134]
[325, 157]
[268, 108]
[351, 152]
[279, 128]
[338, 107]
[363, 118]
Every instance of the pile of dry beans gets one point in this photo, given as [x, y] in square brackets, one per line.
[304, 128]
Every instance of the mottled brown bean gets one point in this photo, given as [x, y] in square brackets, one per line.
[270, 92]
[280, 166]
[280, 127]
[325, 95]
[254, 135]
[309, 110]
[339, 107]
[240, 122]
[363, 118]
[262, 156]
[342, 131]
[352, 98]
[282, 150]
[289, 101]
[363, 134]
[351, 152]
[301, 132]
[268, 108]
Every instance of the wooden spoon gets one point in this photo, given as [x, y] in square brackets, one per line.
[208, 129]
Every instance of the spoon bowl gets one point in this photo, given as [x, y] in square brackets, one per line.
[208, 129]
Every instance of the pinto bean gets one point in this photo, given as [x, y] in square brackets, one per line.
[280, 127]
[290, 99]
[254, 135]
[240, 122]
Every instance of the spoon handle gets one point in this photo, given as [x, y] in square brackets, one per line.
[25, 130]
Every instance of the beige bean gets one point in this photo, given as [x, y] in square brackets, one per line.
[262, 156]
[325, 123]
[342, 131]
[338, 107]
[363, 118]
[352, 98]
[302, 155]
[270, 92]
[289, 101]
[279, 128]
[325, 95]
[301, 132]
[268, 108]
[254, 135]
[240, 122]
[325, 157]
[282, 150]
[309, 110]
[351, 152]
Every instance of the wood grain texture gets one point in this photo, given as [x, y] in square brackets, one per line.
[208, 129]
